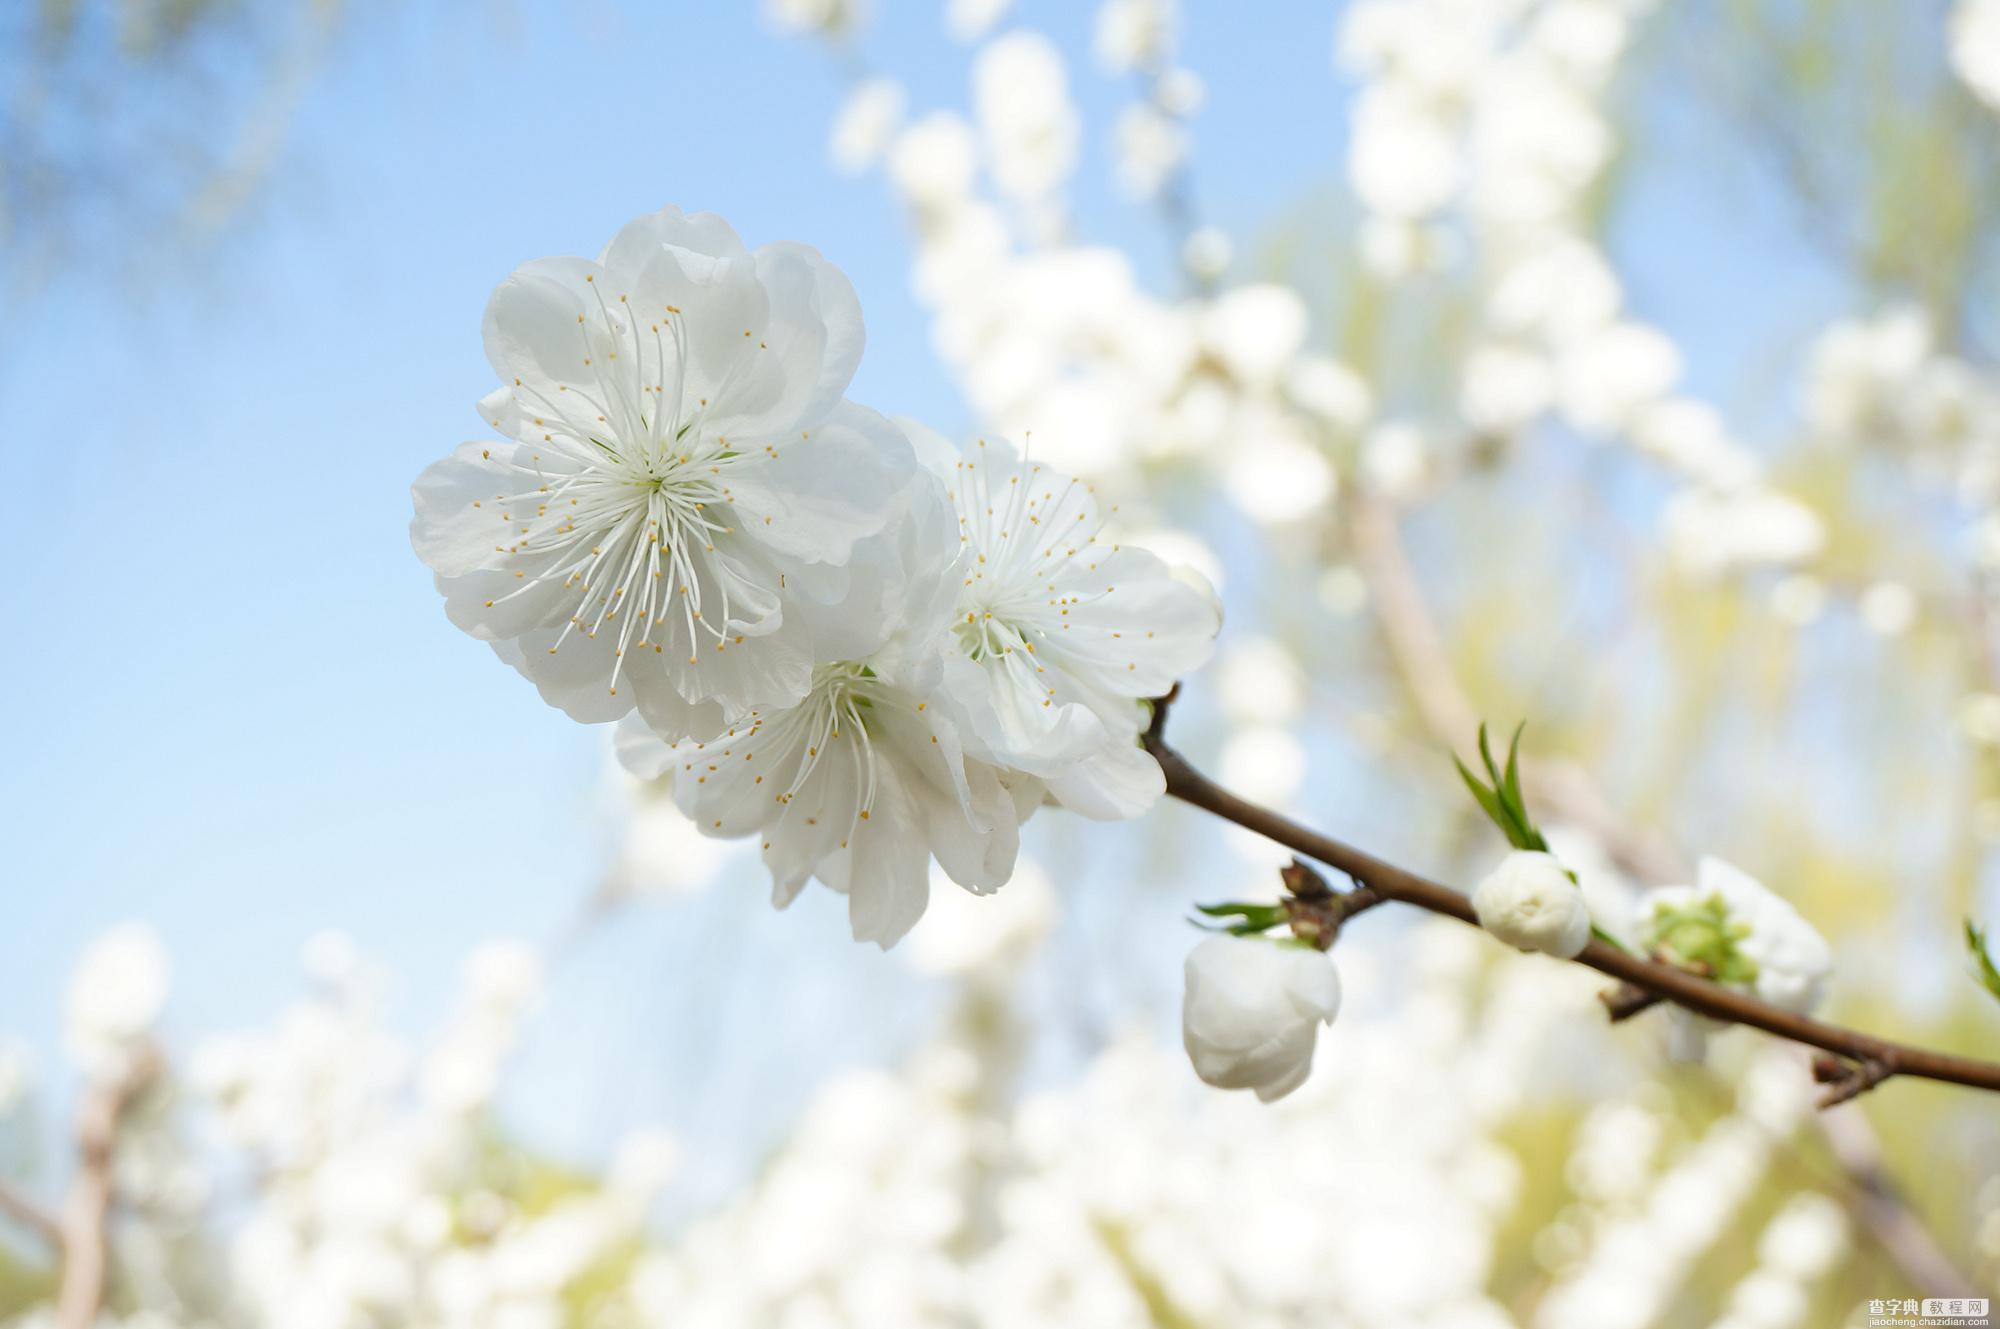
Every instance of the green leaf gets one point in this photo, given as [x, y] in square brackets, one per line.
[1481, 794]
[1243, 919]
[1982, 958]
[1606, 937]
[1512, 783]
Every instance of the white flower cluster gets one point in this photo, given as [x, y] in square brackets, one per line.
[1885, 383]
[1478, 137]
[1124, 1199]
[369, 1181]
[1057, 337]
[1623, 1261]
[365, 1179]
[852, 640]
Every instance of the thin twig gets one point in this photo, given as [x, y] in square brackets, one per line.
[1317, 912]
[30, 1215]
[1885, 1058]
[1625, 1001]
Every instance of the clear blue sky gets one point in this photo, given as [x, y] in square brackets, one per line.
[235, 706]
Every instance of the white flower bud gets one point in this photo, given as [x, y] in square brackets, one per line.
[1529, 902]
[1253, 1010]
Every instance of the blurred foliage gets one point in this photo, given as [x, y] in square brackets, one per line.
[131, 130]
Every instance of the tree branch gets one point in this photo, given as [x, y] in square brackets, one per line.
[30, 1215]
[87, 1210]
[1874, 1059]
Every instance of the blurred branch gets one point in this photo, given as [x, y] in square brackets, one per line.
[87, 1211]
[1874, 1059]
[1417, 648]
[30, 1215]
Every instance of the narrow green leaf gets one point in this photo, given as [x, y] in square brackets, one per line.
[1512, 783]
[1982, 958]
[1485, 797]
[1607, 938]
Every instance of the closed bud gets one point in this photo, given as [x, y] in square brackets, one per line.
[1530, 903]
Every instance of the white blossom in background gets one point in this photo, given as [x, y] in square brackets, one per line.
[1530, 903]
[1251, 1012]
[374, 1201]
[1974, 47]
[1884, 382]
[824, 18]
[866, 124]
[1135, 34]
[116, 994]
[659, 850]
[1713, 532]
[970, 20]
[678, 454]
[963, 934]
[1797, 1248]
[1489, 117]
[1020, 98]
[1149, 146]
[1637, 1242]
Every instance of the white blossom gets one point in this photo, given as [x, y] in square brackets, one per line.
[1530, 903]
[867, 777]
[866, 124]
[830, 18]
[1059, 633]
[969, 20]
[116, 994]
[1252, 1011]
[1975, 47]
[1148, 146]
[1020, 97]
[1134, 34]
[1792, 960]
[677, 447]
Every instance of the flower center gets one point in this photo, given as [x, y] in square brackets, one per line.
[628, 526]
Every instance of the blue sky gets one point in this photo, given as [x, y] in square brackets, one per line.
[236, 708]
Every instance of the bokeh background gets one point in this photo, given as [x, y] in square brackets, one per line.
[1626, 368]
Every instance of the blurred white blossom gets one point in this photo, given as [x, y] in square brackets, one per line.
[116, 994]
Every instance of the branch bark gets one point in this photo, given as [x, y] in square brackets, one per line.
[1874, 1059]
[87, 1209]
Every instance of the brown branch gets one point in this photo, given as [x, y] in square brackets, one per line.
[1315, 910]
[1625, 1001]
[87, 1210]
[1883, 1058]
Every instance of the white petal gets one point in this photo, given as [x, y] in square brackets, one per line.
[889, 883]
[812, 497]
